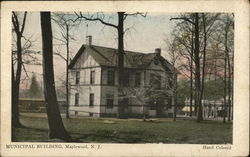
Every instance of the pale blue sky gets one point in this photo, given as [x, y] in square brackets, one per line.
[147, 34]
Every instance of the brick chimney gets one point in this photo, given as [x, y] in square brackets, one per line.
[89, 40]
[158, 51]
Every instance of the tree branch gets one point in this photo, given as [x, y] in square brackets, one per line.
[81, 16]
[24, 21]
[134, 14]
[182, 18]
[60, 55]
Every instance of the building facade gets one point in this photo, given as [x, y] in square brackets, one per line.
[147, 89]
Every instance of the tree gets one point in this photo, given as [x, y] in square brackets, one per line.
[56, 127]
[208, 22]
[227, 45]
[16, 75]
[183, 41]
[196, 43]
[120, 34]
[154, 93]
[174, 58]
[66, 24]
[35, 90]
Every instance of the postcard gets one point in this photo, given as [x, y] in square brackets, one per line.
[125, 78]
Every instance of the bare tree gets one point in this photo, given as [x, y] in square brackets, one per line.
[194, 19]
[227, 36]
[66, 24]
[56, 127]
[174, 58]
[208, 23]
[122, 16]
[16, 75]
[183, 35]
[201, 28]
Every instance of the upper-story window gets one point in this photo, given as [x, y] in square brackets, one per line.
[137, 79]
[77, 77]
[111, 77]
[155, 81]
[92, 77]
[76, 99]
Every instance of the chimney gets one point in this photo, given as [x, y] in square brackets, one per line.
[89, 40]
[158, 51]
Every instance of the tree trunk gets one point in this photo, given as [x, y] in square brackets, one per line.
[225, 90]
[175, 96]
[197, 69]
[67, 73]
[56, 127]
[191, 77]
[191, 93]
[204, 57]
[16, 84]
[120, 61]
[229, 88]
[232, 99]
[225, 78]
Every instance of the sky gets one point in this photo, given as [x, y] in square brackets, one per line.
[145, 34]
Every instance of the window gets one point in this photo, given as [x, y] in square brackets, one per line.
[126, 78]
[91, 99]
[76, 99]
[155, 81]
[92, 77]
[137, 79]
[77, 77]
[110, 100]
[111, 77]
[125, 102]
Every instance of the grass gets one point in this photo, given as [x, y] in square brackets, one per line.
[108, 130]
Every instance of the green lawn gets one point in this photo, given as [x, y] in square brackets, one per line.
[108, 130]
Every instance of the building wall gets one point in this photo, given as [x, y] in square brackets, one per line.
[85, 65]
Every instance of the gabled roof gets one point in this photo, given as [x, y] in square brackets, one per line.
[105, 56]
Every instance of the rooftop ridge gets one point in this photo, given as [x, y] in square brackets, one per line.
[126, 51]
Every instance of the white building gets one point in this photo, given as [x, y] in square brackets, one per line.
[149, 82]
[210, 108]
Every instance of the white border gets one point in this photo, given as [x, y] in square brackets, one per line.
[240, 8]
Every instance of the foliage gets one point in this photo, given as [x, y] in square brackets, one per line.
[213, 90]
[183, 91]
[35, 90]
